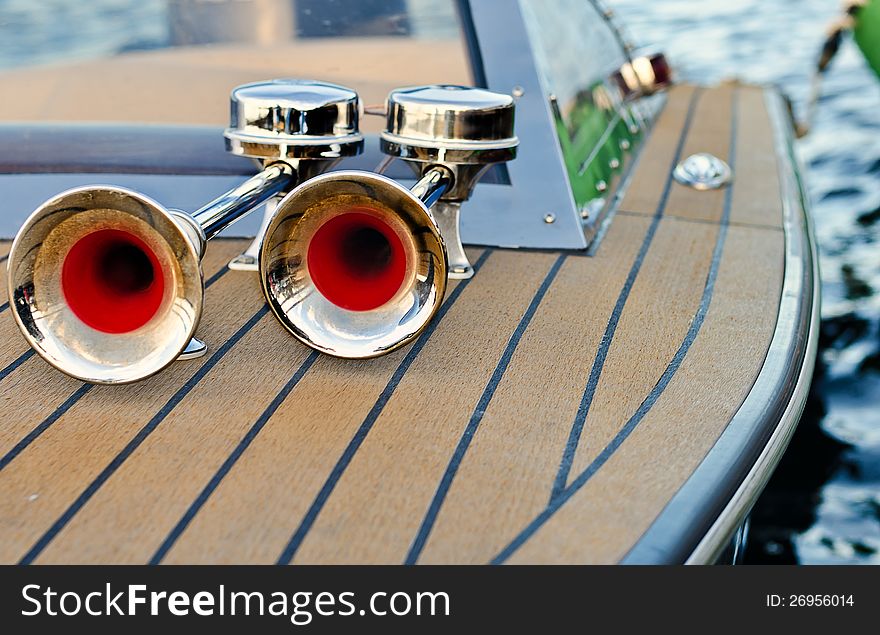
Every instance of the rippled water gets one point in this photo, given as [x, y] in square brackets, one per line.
[823, 504]
[42, 31]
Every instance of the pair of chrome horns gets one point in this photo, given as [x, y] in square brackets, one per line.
[354, 264]
[106, 284]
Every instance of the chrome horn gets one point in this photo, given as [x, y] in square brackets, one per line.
[106, 284]
[353, 263]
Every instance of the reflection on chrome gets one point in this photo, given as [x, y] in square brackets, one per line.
[106, 283]
[354, 264]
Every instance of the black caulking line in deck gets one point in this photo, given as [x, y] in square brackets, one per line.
[477, 416]
[232, 459]
[18, 361]
[348, 454]
[223, 271]
[44, 425]
[622, 187]
[662, 383]
[78, 394]
[139, 438]
[583, 410]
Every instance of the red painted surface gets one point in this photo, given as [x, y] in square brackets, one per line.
[112, 281]
[357, 261]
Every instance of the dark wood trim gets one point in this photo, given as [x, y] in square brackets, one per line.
[102, 148]
[27, 148]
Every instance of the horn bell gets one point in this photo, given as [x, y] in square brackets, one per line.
[353, 264]
[106, 284]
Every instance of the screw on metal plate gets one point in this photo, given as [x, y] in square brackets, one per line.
[549, 218]
[703, 171]
[601, 186]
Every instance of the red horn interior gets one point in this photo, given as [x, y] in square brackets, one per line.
[112, 281]
[357, 261]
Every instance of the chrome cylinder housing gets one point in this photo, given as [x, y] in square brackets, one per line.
[294, 119]
[452, 125]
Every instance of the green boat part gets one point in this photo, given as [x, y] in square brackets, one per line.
[867, 32]
[595, 141]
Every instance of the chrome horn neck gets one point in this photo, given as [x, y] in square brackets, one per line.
[213, 218]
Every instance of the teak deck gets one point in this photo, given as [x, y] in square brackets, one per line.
[548, 415]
